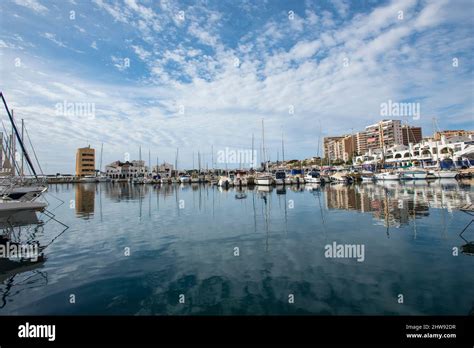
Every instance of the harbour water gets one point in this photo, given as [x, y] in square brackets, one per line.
[137, 249]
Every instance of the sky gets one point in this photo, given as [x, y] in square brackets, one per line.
[201, 75]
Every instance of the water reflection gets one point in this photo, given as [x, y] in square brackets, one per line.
[85, 200]
[24, 232]
[395, 203]
[183, 239]
[19, 274]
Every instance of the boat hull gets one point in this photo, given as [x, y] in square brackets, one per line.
[446, 174]
[386, 176]
[414, 176]
[311, 180]
[263, 181]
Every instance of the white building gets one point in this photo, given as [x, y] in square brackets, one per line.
[164, 168]
[458, 150]
[126, 170]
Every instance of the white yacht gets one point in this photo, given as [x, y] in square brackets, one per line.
[264, 180]
[312, 178]
[413, 175]
[223, 181]
[185, 179]
[446, 174]
[280, 177]
[387, 176]
[340, 177]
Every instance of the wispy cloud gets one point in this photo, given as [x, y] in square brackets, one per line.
[209, 79]
[52, 37]
[34, 5]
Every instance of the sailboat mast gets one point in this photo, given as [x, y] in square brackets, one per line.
[27, 157]
[13, 150]
[263, 145]
[22, 139]
[212, 156]
[282, 147]
[319, 142]
[176, 161]
[101, 153]
[199, 162]
[252, 151]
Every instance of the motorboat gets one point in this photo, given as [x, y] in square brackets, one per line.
[340, 177]
[264, 180]
[387, 176]
[312, 178]
[184, 179]
[280, 176]
[413, 175]
[445, 174]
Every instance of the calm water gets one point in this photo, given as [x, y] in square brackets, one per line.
[183, 240]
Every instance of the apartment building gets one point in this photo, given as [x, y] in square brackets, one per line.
[412, 135]
[385, 133]
[85, 161]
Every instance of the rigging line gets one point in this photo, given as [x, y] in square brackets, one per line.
[8, 153]
[34, 152]
[66, 227]
[59, 199]
[27, 156]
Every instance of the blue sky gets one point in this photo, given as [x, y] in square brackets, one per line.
[196, 74]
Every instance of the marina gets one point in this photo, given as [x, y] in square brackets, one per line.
[234, 240]
[227, 166]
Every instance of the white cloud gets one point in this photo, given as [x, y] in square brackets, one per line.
[224, 103]
[202, 35]
[141, 52]
[52, 37]
[114, 11]
[34, 5]
[304, 49]
[342, 7]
